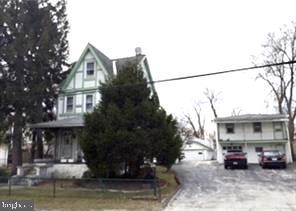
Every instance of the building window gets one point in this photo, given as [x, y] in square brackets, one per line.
[257, 127]
[69, 104]
[233, 148]
[89, 102]
[229, 128]
[90, 68]
[258, 149]
[277, 126]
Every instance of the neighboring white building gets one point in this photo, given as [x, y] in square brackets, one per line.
[198, 150]
[252, 133]
[3, 154]
[79, 94]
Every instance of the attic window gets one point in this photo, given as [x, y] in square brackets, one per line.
[90, 68]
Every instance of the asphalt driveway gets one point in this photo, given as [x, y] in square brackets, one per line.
[207, 186]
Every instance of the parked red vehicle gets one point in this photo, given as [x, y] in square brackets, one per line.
[235, 160]
[272, 158]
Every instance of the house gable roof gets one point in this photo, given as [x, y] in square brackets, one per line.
[101, 58]
[252, 118]
[107, 64]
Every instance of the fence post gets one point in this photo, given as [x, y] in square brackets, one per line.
[103, 184]
[159, 190]
[9, 185]
[54, 187]
[154, 186]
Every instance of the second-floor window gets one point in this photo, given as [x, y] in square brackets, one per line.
[229, 128]
[70, 105]
[257, 127]
[89, 103]
[277, 126]
[90, 69]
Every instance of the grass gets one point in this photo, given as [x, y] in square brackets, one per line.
[86, 199]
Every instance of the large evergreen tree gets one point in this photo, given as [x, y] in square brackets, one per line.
[127, 127]
[33, 52]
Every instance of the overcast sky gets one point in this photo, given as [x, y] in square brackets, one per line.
[186, 37]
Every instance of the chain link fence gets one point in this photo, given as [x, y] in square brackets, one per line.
[94, 187]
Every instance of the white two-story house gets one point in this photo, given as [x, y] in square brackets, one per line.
[252, 133]
[79, 94]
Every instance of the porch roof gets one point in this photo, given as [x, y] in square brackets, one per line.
[62, 123]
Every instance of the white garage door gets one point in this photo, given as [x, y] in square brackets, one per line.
[194, 155]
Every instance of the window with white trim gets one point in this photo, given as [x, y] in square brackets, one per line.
[70, 105]
[90, 69]
[89, 103]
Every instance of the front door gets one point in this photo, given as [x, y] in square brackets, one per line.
[67, 145]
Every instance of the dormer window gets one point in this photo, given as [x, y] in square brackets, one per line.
[89, 103]
[90, 69]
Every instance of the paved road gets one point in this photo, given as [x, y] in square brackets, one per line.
[208, 187]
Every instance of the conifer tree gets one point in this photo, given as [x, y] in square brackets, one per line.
[127, 127]
[33, 52]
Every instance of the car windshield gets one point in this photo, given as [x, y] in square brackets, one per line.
[272, 153]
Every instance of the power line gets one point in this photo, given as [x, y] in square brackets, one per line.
[199, 75]
[222, 72]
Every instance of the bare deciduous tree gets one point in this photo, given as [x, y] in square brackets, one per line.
[236, 111]
[281, 79]
[212, 98]
[199, 130]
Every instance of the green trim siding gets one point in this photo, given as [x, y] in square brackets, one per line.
[77, 65]
[82, 90]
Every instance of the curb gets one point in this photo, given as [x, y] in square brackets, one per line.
[167, 200]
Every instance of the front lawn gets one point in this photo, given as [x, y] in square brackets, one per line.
[86, 199]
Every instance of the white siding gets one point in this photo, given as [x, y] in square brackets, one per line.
[89, 84]
[79, 99]
[267, 130]
[100, 77]
[60, 105]
[89, 56]
[97, 98]
[237, 135]
[78, 80]
[245, 131]
[3, 154]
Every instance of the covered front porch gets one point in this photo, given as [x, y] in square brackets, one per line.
[66, 158]
[66, 148]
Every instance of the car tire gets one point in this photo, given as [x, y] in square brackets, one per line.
[225, 167]
[263, 166]
[246, 167]
[284, 166]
